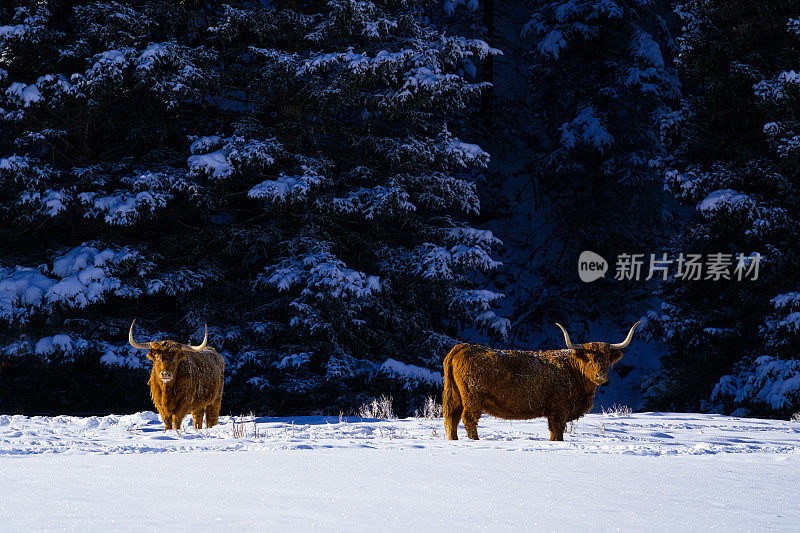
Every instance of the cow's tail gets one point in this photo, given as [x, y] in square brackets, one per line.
[452, 404]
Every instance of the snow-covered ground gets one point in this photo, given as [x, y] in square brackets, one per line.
[641, 472]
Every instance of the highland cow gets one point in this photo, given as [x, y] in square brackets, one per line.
[519, 385]
[184, 379]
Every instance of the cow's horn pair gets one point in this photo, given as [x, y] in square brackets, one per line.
[148, 345]
[619, 346]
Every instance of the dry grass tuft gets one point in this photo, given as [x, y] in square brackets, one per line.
[380, 408]
[618, 410]
[431, 409]
[238, 428]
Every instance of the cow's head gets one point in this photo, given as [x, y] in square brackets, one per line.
[166, 355]
[596, 358]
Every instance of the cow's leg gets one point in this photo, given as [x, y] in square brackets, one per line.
[158, 402]
[167, 416]
[470, 418]
[212, 413]
[452, 406]
[556, 424]
[197, 418]
[177, 417]
[451, 419]
[177, 420]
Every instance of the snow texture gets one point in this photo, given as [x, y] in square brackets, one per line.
[81, 279]
[24, 94]
[499, 325]
[657, 472]
[17, 30]
[123, 208]
[410, 375]
[59, 348]
[123, 356]
[214, 163]
[294, 360]
[647, 50]
[323, 274]
[50, 203]
[723, 199]
[22, 290]
[586, 129]
[287, 187]
[219, 158]
[786, 300]
[770, 382]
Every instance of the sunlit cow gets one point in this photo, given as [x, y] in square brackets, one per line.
[184, 379]
[518, 385]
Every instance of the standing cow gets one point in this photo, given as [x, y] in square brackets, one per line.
[519, 385]
[184, 379]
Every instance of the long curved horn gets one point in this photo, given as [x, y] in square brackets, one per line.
[202, 344]
[627, 340]
[566, 339]
[140, 345]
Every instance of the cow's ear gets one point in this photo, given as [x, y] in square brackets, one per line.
[149, 356]
[181, 355]
[616, 355]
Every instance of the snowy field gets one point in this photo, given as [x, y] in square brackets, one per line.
[641, 472]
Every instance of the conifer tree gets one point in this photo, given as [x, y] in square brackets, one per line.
[293, 174]
[736, 167]
[585, 88]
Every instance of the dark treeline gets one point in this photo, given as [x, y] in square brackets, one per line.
[344, 190]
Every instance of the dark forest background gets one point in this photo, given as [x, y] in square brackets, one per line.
[343, 190]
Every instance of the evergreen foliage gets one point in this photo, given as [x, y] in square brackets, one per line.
[736, 167]
[290, 173]
[586, 87]
[303, 176]
[601, 81]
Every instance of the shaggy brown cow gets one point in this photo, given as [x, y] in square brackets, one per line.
[184, 379]
[518, 385]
